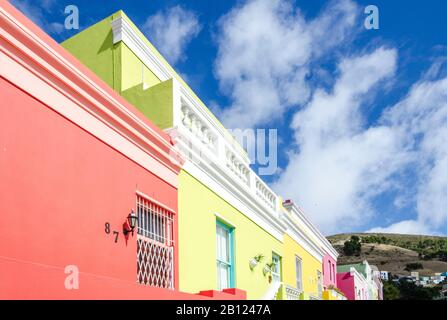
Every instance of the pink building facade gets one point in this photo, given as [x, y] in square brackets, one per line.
[353, 285]
[329, 272]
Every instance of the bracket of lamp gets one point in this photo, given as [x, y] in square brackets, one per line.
[130, 224]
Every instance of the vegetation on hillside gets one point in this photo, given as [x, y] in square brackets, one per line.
[398, 254]
[428, 247]
[405, 290]
[414, 266]
[352, 246]
[390, 291]
[395, 253]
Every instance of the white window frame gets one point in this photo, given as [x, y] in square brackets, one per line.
[299, 273]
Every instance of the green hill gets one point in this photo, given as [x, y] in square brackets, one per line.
[394, 252]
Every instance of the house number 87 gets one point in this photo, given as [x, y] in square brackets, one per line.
[107, 231]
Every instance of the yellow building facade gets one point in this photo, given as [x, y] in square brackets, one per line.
[201, 210]
[311, 269]
[303, 257]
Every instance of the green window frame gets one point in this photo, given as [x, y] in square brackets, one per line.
[224, 255]
[277, 268]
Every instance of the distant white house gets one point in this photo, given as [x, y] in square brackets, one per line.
[443, 293]
[384, 275]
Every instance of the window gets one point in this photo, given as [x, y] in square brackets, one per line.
[334, 276]
[276, 270]
[155, 245]
[154, 222]
[299, 271]
[330, 270]
[225, 263]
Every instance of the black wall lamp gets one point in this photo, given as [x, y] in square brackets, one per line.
[131, 223]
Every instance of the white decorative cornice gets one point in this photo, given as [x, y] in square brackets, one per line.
[123, 31]
[354, 273]
[204, 166]
[217, 127]
[299, 214]
[302, 238]
[226, 167]
[202, 128]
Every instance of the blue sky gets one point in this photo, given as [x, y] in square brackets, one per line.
[361, 114]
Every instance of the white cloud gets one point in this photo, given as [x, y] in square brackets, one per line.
[405, 227]
[334, 26]
[422, 115]
[46, 4]
[37, 10]
[55, 27]
[171, 30]
[341, 165]
[265, 48]
[32, 11]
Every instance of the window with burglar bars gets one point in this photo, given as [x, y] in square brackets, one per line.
[155, 245]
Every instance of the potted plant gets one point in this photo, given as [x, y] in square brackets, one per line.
[255, 260]
[268, 268]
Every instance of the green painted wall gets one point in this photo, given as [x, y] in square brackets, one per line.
[180, 79]
[117, 65]
[94, 48]
[122, 70]
[198, 207]
[155, 102]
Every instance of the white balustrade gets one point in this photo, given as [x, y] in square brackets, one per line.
[264, 192]
[209, 136]
[198, 127]
[237, 167]
[292, 293]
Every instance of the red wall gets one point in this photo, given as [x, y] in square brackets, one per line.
[58, 187]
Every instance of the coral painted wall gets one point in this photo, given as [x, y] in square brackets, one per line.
[72, 157]
[59, 186]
